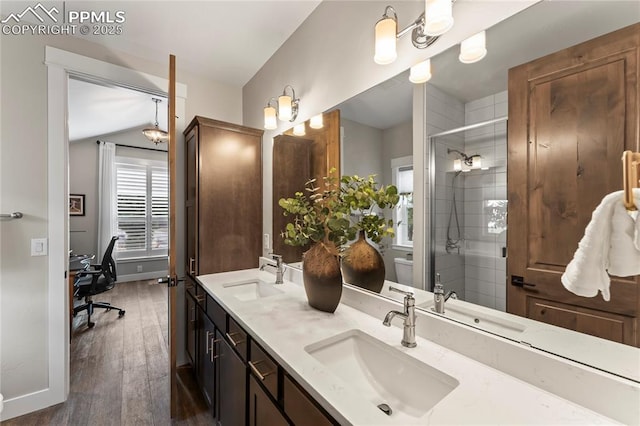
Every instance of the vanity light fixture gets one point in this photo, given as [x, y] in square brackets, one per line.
[286, 108]
[316, 122]
[299, 129]
[473, 49]
[467, 162]
[155, 134]
[436, 20]
[386, 34]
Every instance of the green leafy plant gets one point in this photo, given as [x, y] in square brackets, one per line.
[333, 214]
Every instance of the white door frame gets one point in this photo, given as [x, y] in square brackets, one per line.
[60, 65]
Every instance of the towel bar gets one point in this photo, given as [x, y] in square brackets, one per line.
[14, 215]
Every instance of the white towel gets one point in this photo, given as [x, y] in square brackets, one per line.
[611, 243]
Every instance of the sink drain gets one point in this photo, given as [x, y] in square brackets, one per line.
[385, 409]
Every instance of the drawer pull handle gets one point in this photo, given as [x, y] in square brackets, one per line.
[200, 298]
[209, 348]
[257, 372]
[233, 342]
[192, 266]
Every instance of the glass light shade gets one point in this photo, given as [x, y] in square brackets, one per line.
[155, 135]
[438, 17]
[385, 45]
[457, 165]
[299, 129]
[270, 122]
[284, 108]
[476, 163]
[421, 72]
[473, 49]
[316, 122]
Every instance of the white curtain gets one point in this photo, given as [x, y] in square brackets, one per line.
[107, 209]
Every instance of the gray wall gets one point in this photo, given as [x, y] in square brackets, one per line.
[24, 280]
[361, 150]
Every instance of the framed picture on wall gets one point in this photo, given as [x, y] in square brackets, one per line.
[76, 204]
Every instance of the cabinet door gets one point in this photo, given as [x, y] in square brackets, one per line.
[191, 199]
[206, 354]
[232, 391]
[191, 326]
[230, 199]
[571, 115]
[262, 411]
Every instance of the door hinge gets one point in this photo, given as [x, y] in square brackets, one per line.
[169, 281]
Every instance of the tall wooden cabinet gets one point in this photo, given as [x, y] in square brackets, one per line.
[571, 115]
[223, 196]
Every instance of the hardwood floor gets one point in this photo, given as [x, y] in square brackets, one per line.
[119, 368]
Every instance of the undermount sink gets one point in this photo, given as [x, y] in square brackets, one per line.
[251, 289]
[383, 375]
[477, 318]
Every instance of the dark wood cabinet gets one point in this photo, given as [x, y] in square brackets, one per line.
[223, 196]
[240, 381]
[571, 115]
[232, 398]
[191, 326]
[262, 411]
[207, 360]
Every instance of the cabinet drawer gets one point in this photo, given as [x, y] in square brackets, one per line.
[264, 368]
[237, 337]
[300, 408]
[217, 314]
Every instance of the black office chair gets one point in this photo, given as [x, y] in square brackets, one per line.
[95, 281]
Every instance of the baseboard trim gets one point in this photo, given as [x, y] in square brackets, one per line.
[142, 276]
[28, 403]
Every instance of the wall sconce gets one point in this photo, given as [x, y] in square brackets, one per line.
[467, 162]
[286, 108]
[425, 30]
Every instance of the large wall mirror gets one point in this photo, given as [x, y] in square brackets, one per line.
[465, 224]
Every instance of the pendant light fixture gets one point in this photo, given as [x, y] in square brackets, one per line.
[285, 109]
[154, 134]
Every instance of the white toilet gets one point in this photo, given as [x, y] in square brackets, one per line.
[404, 270]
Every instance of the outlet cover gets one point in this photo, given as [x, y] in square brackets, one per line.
[139, 268]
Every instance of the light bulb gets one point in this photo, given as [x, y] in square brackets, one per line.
[421, 72]
[457, 165]
[299, 129]
[476, 163]
[316, 122]
[438, 17]
[284, 108]
[385, 44]
[473, 49]
[270, 122]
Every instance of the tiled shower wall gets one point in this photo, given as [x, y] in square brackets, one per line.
[485, 195]
[444, 112]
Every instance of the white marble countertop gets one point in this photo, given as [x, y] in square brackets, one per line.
[284, 324]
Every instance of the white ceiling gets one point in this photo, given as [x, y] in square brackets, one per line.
[543, 28]
[96, 110]
[227, 41]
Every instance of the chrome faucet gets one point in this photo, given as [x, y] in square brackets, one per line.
[409, 317]
[439, 297]
[279, 268]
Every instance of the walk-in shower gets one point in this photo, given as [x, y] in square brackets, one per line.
[467, 211]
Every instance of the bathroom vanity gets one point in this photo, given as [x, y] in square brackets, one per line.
[275, 360]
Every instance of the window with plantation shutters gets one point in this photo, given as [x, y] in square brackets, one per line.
[142, 207]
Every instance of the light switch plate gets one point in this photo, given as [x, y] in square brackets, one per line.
[266, 242]
[39, 247]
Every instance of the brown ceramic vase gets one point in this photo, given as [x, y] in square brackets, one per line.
[322, 279]
[363, 266]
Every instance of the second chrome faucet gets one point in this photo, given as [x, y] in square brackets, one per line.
[409, 317]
